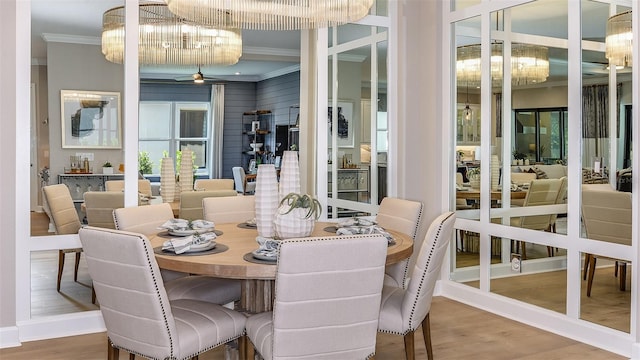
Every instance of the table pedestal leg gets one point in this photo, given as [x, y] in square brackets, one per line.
[256, 296]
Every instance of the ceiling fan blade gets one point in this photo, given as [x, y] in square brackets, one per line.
[190, 78]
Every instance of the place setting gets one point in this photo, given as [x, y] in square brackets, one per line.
[359, 226]
[249, 224]
[266, 253]
[197, 237]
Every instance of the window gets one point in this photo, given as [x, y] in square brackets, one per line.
[541, 134]
[166, 127]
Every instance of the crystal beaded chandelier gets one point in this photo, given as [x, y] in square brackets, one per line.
[529, 64]
[271, 14]
[166, 39]
[619, 40]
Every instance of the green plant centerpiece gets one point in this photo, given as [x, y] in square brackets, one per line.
[296, 216]
[473, 174]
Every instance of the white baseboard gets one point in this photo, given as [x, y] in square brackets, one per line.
[86, 322]
[9, 337]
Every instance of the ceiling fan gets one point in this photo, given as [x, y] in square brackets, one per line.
[197, 77]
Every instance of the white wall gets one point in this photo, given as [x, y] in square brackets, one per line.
[422, 148]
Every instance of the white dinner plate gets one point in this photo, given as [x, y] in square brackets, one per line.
[260, 255]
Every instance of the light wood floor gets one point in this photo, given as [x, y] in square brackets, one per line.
[458, 332]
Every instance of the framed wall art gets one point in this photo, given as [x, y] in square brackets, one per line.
[90, 119]
[344, 126]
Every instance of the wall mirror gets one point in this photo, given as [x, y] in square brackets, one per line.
[67, 66]
[605, 175]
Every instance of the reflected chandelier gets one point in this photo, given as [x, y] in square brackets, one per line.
[166, 39]
[619, 40]
[271, 14]
[529, 64]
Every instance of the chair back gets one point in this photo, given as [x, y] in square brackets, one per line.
[63, 211]
[229, 209]
[607, 214]
[541, 192]
[144, 186]
[142, 219]
[99, 207]
[400, 215]
[239, 178]
[114, 185]
[562, 197]
[122, 266]
[417, 299]
[403, 216]
[191, 202]
[336, 316]
[213, 184]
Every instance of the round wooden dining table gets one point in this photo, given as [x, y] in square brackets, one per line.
[240, 241]
[257, 278]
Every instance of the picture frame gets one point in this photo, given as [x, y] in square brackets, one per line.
[90, 119]
[345, 124]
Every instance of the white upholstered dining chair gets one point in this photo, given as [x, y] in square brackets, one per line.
[403, 310]
[402, 216]
[99, 206]
[229, 209]
[607, 216]
[64, 216]
[149, 323]
[240, 179]
[213, 184]
[146, 220]
[191, 202]
[541, 192]
[326, 302]
[144, 186]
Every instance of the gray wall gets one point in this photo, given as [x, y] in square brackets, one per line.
[78, 67]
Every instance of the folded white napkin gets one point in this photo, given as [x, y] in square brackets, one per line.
[182, 224]
[371, 229]
[176, 224]
[184, 244]
[355, 221]
[267, 246]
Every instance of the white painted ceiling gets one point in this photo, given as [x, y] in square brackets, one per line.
[265, 53]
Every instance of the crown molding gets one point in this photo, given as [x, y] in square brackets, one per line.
[71, 39]
[280, 72]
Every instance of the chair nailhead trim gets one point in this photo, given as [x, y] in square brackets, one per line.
[424, 274]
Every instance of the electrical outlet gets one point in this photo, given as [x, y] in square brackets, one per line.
[516, 263]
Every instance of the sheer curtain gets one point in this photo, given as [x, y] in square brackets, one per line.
[217, 135]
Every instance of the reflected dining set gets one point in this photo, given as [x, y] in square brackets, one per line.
[175, 288]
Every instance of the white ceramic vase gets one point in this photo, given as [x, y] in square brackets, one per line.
[293, 224]
[289, 174]
[167, 180]
[266, 199]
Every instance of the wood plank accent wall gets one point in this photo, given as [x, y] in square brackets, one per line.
[275, 94]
